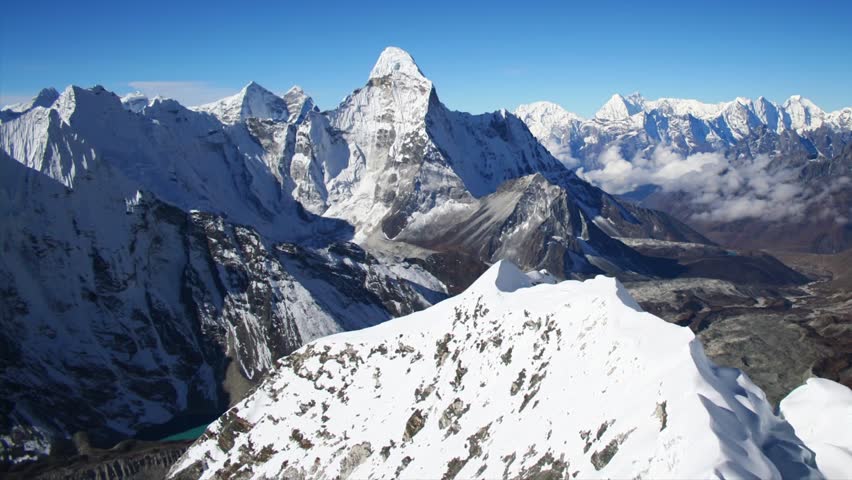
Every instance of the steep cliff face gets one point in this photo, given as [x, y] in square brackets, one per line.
[119, 314]
[540, 225]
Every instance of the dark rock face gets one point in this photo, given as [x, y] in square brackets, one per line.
[118, 325]
[540, 224]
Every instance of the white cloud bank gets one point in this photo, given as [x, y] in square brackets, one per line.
[718, 189]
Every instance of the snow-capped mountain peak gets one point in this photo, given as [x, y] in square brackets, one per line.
[803, 113]
[619, 108]
[298, 104]
[396, 61]
[841, 118]
[44, 99]
[768, 113]
[552, 125]
[689, 126]
[545, 113]
[135, 101]
[253, 101]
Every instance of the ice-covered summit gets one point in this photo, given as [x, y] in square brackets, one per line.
[298, 104]
[803, 113]
[539, 115]
[395, 61]
[135, 101]
[619, 107]
[44, 98]
[253, 101]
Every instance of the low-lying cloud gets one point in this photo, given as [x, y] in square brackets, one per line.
[718, 189]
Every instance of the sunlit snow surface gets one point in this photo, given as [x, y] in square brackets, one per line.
[505, 380]
[821, 413]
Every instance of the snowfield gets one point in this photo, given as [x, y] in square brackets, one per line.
[510, 380]
[821, 413]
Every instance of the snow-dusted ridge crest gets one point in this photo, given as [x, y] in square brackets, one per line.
[743, 126]
[506, 380]
[796, 112]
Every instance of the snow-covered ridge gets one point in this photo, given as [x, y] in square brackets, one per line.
[796, 113]
[633, 144]
[44, 98]
[553, 126]
[506, 380]
[135, 101]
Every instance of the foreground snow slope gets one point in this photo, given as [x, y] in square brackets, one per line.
[505, 380]
[821, 413]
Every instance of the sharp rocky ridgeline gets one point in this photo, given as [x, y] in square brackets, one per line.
[511, 380]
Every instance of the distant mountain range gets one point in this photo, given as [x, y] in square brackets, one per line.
[746, 173]
[744, 126]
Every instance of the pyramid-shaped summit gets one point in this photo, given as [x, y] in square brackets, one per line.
[396, 61]
[253, 101]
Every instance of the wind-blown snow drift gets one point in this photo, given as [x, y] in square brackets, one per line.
[506, 380]
[821, 413]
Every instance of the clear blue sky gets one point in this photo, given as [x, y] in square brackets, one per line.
[482, 56]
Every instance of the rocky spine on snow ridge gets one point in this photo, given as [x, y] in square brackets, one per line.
[506, 380]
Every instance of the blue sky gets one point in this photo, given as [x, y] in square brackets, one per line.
[482, 56]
